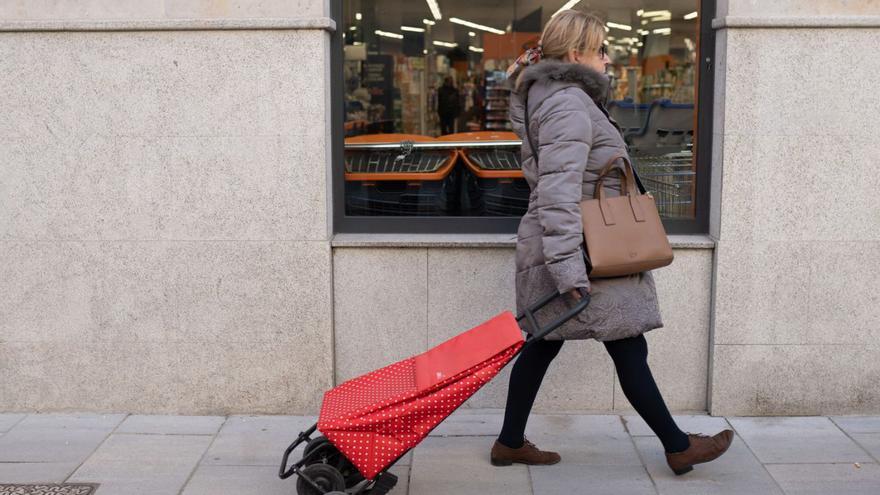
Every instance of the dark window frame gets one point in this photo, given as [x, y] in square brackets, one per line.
[343, 223]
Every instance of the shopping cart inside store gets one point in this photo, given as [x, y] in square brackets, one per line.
[670, 178]
[492, 182]
[397, 174]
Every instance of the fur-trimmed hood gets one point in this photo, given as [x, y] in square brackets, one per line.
[541, 80]
[549, 70]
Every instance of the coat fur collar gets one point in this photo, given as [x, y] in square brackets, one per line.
[549, 70]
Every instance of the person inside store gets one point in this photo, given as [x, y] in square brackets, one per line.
[563, 82]
[448, 106]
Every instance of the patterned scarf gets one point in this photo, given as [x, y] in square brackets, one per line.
[531, 56]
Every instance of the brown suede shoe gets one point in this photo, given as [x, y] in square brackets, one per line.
[703, 448]
[503, 455]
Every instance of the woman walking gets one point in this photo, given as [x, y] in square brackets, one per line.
[563, 82]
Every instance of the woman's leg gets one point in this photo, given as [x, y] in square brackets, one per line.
[525, 380]
[630, 356]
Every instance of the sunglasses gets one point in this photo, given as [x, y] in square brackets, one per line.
[603, 51]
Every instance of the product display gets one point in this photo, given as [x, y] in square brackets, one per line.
[497, 99]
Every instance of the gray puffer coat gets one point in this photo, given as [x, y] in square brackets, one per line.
[575, 139]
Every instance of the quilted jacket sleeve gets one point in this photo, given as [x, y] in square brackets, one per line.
[515, 113]
[564, 138]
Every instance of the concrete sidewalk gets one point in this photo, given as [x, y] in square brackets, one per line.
[130, 454]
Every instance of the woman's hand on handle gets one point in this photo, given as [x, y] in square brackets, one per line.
[576, 293]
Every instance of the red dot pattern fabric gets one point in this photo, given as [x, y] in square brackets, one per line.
[376, 418]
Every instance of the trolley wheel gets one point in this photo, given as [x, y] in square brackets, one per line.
[323, 475]
[322, 452]
[330, 455]
[314, 444]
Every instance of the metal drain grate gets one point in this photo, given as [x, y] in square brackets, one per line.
[49, 489]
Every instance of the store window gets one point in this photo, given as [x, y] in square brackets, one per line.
[425, 120]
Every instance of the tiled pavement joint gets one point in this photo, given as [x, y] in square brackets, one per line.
[202, 458]
[737, 436]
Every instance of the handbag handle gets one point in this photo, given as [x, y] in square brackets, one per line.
[626, 191]
[626, 177]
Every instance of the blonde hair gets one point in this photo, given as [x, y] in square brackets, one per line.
[571, 30]
[567, 30]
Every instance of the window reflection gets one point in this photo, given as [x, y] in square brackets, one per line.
[426, 122]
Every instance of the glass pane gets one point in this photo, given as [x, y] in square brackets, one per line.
[426, 119]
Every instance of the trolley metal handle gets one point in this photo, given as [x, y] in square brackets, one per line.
[541, 332]
[286, 472]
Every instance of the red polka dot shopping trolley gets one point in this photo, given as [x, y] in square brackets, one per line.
[370, 422]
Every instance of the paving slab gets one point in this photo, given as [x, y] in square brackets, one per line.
[567, 479]
[49, 445]
[582, 439]
[479, 410]
[460, 465]
[257, 440]
[143, 464]
[36, 472]
[84, 421]
[406, 460]
[736, 472]
[858, 424]
[60, 438]
[259, 480]
[402, 473]
[171, 425]
[823, 479]
[238, 480]
[869, 442]
[469, 424]
[8, 420]
[693, 423]
[793, 440]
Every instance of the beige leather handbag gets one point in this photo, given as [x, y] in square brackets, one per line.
[623, 235]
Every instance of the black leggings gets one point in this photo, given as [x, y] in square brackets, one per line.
[630, 356]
